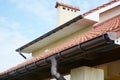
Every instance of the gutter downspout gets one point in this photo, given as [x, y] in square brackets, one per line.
[89, 45]
[54, 71]
[22, 54]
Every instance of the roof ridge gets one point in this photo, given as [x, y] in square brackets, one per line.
[106, 21]
[100, 7]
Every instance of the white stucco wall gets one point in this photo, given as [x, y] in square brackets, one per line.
[65, 14]
[110, 13]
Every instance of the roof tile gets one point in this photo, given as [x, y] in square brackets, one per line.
[112, 24]
[100, 7]
[118, 33]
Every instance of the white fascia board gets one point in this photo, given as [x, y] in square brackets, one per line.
[95, 15]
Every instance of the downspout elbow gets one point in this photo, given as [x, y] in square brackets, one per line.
[54, 72]
[22, 55]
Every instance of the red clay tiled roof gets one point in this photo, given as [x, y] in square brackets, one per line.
[118, 33]
[100, 7]
[66, 5]
[112, 24]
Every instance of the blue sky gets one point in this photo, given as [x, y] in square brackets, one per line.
[24, 20]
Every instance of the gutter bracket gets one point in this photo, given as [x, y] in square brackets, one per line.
[22, 54]
[54, 72]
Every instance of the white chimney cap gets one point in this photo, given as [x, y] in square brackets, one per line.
[66, 5]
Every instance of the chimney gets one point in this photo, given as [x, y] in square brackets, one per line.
[65, 12]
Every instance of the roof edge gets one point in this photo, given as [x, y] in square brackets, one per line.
[51, 32]
[100, 7]
[85, 46]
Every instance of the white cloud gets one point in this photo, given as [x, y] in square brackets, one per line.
[9, 41]
[8, 24]
[65, 1]
[40, 8]
[45, 11]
